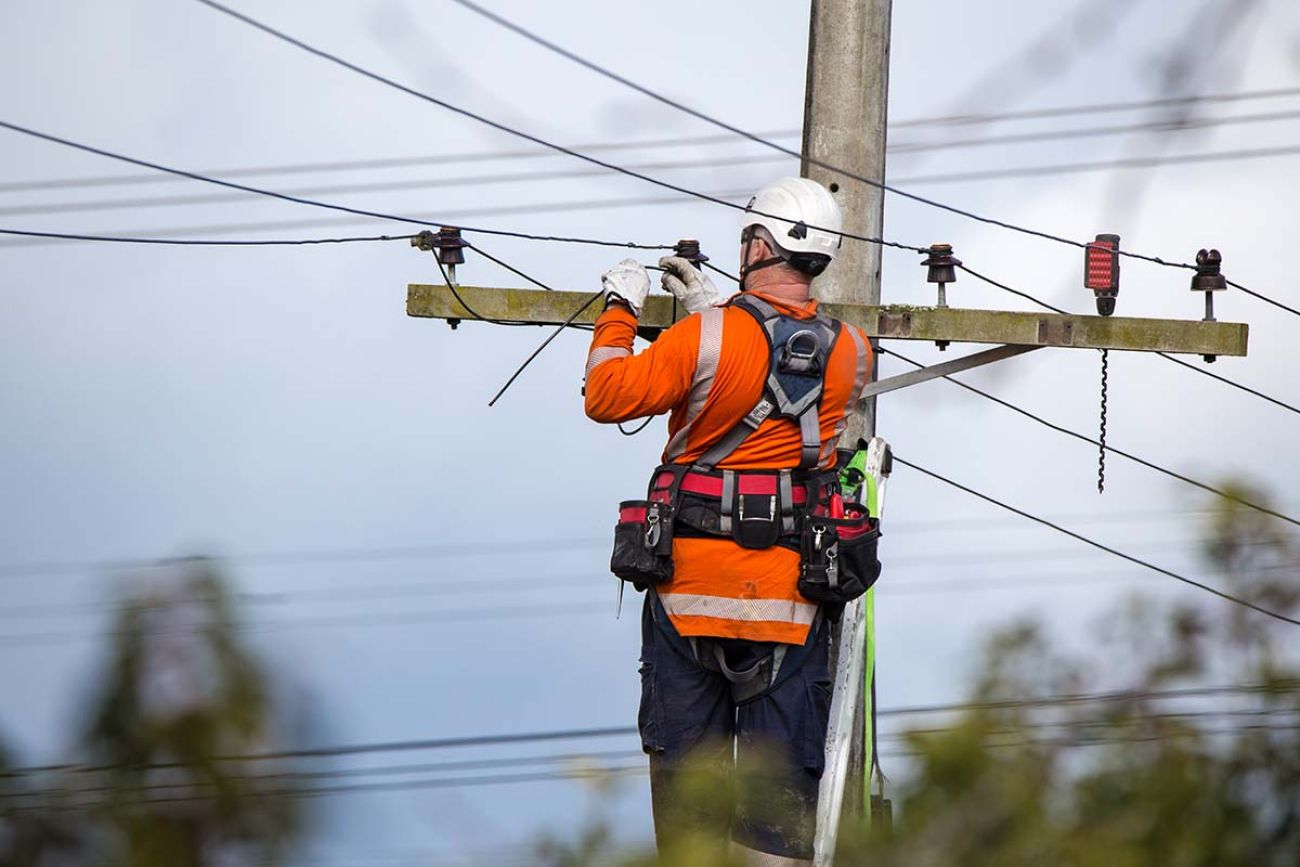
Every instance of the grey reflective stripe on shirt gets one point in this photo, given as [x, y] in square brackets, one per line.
[706, 368]
[601, 354]
[748, 610]
[861, 376]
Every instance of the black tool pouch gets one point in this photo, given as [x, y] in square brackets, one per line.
[754, 520]
[643, 543]
[838, 561]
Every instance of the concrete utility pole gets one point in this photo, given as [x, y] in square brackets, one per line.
[844, 125]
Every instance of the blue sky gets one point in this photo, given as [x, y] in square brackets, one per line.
[237, 402]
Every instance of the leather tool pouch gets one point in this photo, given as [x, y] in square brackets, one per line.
[838, 561]
[643, 543]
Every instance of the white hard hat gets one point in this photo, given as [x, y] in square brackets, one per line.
[790, 208]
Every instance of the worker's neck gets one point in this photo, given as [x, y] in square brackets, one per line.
[780, 281]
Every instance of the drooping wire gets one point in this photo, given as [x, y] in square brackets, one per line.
[1220, 492]
[1276, 615]
[502, 127]
[1261, 395]
[362, 212]
[451, 287]
[1101, 434]
[545, 343]
[195, 242]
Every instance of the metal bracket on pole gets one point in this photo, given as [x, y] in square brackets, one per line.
[957, 365]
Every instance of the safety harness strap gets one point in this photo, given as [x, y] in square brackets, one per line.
[806, 409]
[737, 435]
[757, 680]
[810, 430]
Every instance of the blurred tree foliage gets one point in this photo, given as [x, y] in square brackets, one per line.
[149, 788]
[1161, 773]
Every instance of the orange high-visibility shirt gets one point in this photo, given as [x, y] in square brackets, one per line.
[709, 370]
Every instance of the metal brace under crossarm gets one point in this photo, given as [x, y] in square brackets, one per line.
[957, 365]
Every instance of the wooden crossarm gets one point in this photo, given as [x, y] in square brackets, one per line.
[891, 321]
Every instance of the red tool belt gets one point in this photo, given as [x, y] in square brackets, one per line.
[802, 511]
[756, 508]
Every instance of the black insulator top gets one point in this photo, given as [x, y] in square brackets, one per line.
[689, 249]
[1209, 276]
[942, 264]
[450, 246]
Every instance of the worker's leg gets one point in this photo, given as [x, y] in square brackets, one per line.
[687, 722]
[780, 754]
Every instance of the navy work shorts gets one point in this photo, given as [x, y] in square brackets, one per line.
[766, 754]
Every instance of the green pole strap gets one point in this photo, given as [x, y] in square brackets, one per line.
[868, 698]
[869, 669]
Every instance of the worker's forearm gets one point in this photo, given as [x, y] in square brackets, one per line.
[611, 341]
[622, 386]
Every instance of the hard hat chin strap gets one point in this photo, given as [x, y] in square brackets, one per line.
[745, 268]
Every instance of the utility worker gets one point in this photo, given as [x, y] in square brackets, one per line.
[734, 656]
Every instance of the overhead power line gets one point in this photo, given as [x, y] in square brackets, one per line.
[1105, 166]
[1276, 615]
[1103, 107]
[1153, 126]
[518, 133]
[1111, 449]
[475, 156]
[480, 156]
[679, 106]
[641, 144]
[39, 238]
[196, 242]
[403, 185]
[303, 201]
[1280, 686]
[409, 184]
[1247, 389]
[1108, 730]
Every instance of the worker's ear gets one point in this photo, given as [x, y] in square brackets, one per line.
[758, 251]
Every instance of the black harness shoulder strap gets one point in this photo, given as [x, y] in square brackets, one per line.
[798, 351]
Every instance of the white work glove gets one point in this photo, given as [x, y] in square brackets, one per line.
[691, 287]
[628, 282]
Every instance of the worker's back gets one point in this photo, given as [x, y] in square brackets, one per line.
[710, 371]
